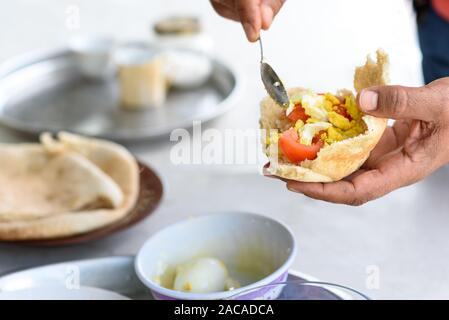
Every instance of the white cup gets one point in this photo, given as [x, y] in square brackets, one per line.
[94, 55]
[142, 79]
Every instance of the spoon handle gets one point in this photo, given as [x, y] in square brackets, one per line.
[261, 49]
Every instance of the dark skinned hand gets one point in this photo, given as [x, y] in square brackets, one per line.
[414, 147]
[254, 15]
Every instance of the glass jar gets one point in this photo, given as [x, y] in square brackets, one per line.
[182, 33]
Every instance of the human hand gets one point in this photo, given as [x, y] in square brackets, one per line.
[253, 14]
[416, 145]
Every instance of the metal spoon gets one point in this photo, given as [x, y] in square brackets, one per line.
[271, 81]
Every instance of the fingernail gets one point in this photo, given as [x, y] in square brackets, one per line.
[266, 173]
[368, 100]
[251, 33]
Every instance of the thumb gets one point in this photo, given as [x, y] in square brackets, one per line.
[250, 17]
[269, 9]
[397, 102]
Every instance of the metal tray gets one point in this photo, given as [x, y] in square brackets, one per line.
[117, 274]
[45, 91]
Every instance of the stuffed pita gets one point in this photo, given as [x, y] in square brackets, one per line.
[323, 137]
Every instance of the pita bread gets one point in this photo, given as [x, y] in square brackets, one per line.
[372, 73]
[340, 159]
[64, 186]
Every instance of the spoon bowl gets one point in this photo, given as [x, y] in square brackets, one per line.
[273, 84]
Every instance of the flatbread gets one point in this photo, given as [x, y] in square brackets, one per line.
[64, 186]
[340, 159]
[373, 73]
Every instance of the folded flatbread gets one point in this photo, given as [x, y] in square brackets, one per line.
[64, 186]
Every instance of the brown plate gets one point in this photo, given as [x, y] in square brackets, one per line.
[150, 195]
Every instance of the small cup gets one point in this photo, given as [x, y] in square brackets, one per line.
[142, 79]
[187, 69]
[186, 48]
[182, 32]
[94, 56]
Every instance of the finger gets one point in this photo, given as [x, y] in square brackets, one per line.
[267, 172]
[392, 139]
[355, 174]
[399, 102]
[250, 16]
[270, 9]
[386, 144]
[276, 5]
[396, 171]
[267, 16]
[350, 192]
[226, 3]
[401, 130]
[225, 11]
[420, 146]
[336, 192]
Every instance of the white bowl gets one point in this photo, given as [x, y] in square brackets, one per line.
[94, 55]
[241, 240]
[187, 69]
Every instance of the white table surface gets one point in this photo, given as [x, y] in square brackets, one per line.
[313, 44]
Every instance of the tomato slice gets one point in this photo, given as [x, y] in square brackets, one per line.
[296, 152]
[298, 113]
[342, 111]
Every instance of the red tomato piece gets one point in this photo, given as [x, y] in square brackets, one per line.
[295, 151]
[298, 113]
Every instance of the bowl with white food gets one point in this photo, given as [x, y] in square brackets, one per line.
[94, 55]
[216, 256]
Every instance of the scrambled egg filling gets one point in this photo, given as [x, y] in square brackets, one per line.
[332, 118]
[344, 127]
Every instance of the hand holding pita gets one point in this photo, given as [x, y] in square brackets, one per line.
[413, 148]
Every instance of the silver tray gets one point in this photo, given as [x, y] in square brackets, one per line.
[117, 274]
[45, 91]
